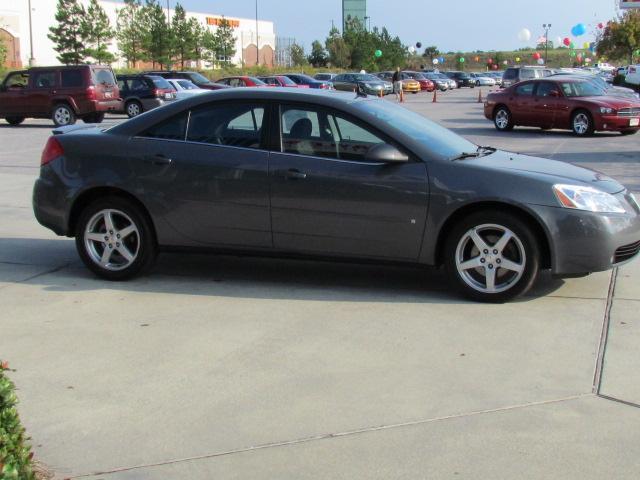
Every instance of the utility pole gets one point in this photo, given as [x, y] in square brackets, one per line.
[32, 60]
[168, 15]
[547, 27]
[257, 38]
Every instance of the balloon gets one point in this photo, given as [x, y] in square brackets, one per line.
[461, 59]
[559, 41]
[588, 60]
[566, 41]
[477, 59]
[378, 53]
[541, 61]
[524, 35]
[412, 49]
[418, 45]
[490, 61]
[572, 45]
[573, 54]
[517, 59]
[536, 56]
[495, 67]
[436, 61]
[441, 59]
[505, 62]
[579, 29]
[601, 25]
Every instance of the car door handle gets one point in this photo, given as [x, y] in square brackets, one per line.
[294, 174]
[158, 159]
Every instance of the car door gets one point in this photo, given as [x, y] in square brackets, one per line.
[342, 82]
[327, 199]
[548, 105]
[44, 84]
[213, 187]
[521, 104]
[12, 96]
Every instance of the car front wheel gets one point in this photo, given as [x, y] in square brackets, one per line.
[502, 119]
[492, 256]
[63, 115]
[582, 124]
[115, 239]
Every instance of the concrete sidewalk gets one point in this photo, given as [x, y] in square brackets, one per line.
[224, 367]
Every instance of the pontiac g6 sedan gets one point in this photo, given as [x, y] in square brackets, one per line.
[327, 174]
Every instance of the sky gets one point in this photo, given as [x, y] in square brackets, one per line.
[451, 25]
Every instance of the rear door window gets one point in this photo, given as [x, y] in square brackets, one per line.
[17, 80]
[71, 78]
[137, 85]
[525, 90]
[509, 74]
[44, 79]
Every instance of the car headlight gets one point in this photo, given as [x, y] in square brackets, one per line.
[587, 198]
[606, 110]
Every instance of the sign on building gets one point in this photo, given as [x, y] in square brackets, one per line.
[629, 3]
[218, 21]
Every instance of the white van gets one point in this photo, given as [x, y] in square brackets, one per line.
[605, 67]
[633, 75]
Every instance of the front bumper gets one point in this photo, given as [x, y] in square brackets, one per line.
[615, 123]
[411, 88]
[584, 242]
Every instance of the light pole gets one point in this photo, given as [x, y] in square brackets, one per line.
[32, 60]
[257, 38]
[547, 27]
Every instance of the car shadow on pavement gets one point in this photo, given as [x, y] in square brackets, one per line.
[521, 132]
[247, 277]
[18, 127]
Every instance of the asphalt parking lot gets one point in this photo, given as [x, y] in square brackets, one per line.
[226, 367]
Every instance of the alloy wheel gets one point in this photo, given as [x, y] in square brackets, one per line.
[112, 239]
[62, 115]
[502, 119]
[581, 123]
[490, 258]
[133, 109]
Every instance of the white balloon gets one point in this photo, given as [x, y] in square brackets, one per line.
[524, 35]
[436, 61]
[541, 61]
[412, 49]
[559, 42]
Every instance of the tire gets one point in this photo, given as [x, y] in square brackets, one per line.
[502, 119]
[582, 123]
[471, 269]
[132, 253]
[96, 117]
[629, 132]
[477, 83]
[63, 115]
[133, 108]
[14, 120]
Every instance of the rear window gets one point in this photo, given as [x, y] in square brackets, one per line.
[509, 74]
[195, 76]
[257, 81]
[103, 76]
[71, 78]
[160, 82]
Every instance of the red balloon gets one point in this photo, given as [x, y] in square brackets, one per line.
[537, 56]
[567, 41]
[601, 25]
[490, 61]
[495, 67]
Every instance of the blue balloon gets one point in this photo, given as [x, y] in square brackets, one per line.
[579, 29]
[441, 59]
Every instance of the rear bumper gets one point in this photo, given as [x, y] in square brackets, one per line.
[584, 242]
[614, 123]
[107, 105]
[49, 203]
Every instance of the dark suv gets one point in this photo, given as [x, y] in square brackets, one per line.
[63, 94]
[462, 79]
[197, 78]
[144, 92]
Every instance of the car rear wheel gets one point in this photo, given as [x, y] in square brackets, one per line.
[63, 115]
[14, 120]
[502, 119]
[629, 132]
[133, 109]
[115, 239]
[492, 256]
[582, 124]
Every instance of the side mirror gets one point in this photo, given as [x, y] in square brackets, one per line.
[554, 93]
[383, 152]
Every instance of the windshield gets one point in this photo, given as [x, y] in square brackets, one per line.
[288, 81]
[199, 77]
[362, 77]
[439, 140]
[581, 89]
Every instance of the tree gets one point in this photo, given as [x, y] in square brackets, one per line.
[621, 37]
[339, 52]
[431, 52]
[131, 31]
[222, 43]
[298, 57]
[158, 39]
[68, 34]
[318, 56]
[183, 34]
[98, 34]
[3, 53]
[197, 30]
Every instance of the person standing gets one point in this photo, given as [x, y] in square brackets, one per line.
[397, 84]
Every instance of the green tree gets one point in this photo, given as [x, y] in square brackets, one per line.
[158, 40]
[183, 34]
[222, 43]
[339, 51]
[298, 57]
[98, 34]
[131, 31]
[3, 53]
[197, 30]
[68, 34]
[431, 52]
[318, 56]
[621, 37]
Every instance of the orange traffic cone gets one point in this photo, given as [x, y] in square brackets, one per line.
[435, 96]
[381, 93]
[480, 96]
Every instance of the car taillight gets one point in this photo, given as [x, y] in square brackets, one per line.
[157, 92]
[91, 92]
[324, 85]
[52, 150]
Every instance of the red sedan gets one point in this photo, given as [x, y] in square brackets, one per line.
[568, 104]
[281, 81]
[243, 81]
[425, 83]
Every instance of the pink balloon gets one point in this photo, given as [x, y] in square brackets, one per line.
[567, 41]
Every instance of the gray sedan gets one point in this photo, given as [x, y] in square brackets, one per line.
[332, 175]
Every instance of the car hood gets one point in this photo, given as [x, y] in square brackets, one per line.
[560, 172]
[612, 101]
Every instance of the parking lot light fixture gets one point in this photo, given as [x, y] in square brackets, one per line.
[547, 27]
